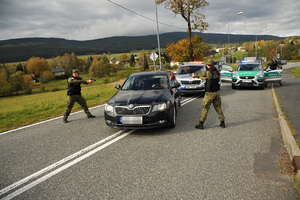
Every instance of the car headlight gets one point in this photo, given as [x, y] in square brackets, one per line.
[235, 75]
[160, 107]
[260, 75]
[109, 109]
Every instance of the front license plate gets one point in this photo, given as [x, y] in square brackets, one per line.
[131, 120]
[191, 87]
[247, 81]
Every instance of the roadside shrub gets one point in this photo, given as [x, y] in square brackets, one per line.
[28, 91]
[54, 89]
[106, 80]
[121, 75]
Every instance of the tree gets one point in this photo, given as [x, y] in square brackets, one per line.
[189, 11]
[47, 76]
[132, 60]
[179, 52]
[27, 81]
[37, 65]
[100, 68]
[123, 58]
[143, 61]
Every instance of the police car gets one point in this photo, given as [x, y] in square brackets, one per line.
[252, 74]
[184, 76]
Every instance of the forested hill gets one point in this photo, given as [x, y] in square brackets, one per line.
[22, 49]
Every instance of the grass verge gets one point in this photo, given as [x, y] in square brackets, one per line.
[296, 72]
[24, 110]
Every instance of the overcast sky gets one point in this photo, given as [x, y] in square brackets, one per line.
[94, 19]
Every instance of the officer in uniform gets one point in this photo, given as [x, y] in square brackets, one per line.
[212, 93]
[74, 95]
[273, 64]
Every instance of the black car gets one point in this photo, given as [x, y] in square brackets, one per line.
[145, 100]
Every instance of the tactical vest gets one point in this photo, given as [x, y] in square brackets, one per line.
[74, 88]
[212, 85]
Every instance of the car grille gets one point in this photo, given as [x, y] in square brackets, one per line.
[191, 82]
[138, 110]
[246, 77]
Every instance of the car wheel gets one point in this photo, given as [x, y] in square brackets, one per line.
[262, 87]
[173, 117]
[233, 87]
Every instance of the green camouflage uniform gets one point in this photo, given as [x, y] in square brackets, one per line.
[210, 97]
[72, 98]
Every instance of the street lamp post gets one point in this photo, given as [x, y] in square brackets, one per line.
[158, 43]
[229, 53]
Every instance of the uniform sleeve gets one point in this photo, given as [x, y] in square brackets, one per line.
[204, 75]
[72, 80]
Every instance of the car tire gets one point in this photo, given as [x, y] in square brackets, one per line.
[233, 87]
[262, 87]
[173, 117]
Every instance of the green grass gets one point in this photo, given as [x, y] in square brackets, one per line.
[296, 72]
[27, 109]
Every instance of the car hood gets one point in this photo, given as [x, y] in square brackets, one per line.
[140, 97]
[247, 73]
[184, 76]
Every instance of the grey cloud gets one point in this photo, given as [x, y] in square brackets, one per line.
[83, 20]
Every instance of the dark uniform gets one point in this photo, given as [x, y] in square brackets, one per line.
[212, 95]
[74, 95]
[273, 64]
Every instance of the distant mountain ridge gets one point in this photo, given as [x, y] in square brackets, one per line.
[22, 49]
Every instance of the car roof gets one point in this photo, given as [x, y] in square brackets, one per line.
[152, 73]
[193, 64]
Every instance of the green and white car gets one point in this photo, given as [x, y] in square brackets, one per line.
[226, 73]
[252, 74]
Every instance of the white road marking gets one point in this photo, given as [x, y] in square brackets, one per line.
[84, 153]
[39, 173]
[38, 181]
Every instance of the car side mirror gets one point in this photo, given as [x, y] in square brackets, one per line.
[118, 87]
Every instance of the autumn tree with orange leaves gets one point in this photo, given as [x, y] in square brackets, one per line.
[37, 66]
[190, 12]
[180, 51]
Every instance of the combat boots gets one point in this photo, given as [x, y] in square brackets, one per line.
[222, 124]
[200, 125]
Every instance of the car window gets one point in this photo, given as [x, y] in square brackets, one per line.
[146, 82]
[191, 69]
[226, 67]
[250, 67]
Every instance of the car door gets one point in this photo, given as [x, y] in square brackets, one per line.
[226, 73]
[273, 76]
[176, 91]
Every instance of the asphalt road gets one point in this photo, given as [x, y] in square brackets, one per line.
[289, 96]
[85, 159]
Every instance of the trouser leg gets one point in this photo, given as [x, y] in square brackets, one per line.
[82, 103]
[207, 100]
[217, 106]
[70, 103]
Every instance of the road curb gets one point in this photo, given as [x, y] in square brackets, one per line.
[288, 138]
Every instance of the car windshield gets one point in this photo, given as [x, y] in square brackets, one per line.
[226, 67]
[191, 69]
[146, 82]
[249, 67]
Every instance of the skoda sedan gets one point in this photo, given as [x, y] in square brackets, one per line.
[145, 100]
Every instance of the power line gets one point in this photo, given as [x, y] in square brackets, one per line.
[142, 15]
